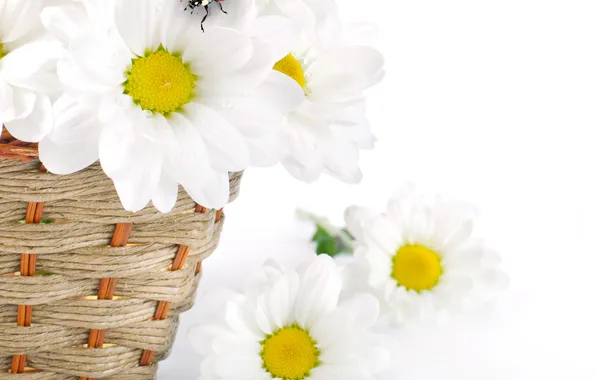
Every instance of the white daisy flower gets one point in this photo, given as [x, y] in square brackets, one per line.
[420, 257]
[27, 70]
[326, 132]
[158, 101]
[289, 325]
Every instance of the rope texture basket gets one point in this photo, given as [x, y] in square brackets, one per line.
[88, 290]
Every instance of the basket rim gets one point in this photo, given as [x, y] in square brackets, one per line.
[12, 148]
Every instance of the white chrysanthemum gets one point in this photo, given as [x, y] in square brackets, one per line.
[288, 325]
[420, 256]
[328, 130]
[159, 102]
[27, 70]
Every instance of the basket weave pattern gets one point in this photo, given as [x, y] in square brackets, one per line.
[88, 290]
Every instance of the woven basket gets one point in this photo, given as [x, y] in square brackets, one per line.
[88, 290]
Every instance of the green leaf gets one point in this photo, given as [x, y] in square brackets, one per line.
[329, 239]
[326, 246]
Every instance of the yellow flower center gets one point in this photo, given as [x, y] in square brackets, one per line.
[160, 82]
[290, 353]
[291, 67]
[2, 52]
[416, 267]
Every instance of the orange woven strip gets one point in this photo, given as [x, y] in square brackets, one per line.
[18, 364]
[107, 286]
[27, 268]
[161, 311]
[23, 153]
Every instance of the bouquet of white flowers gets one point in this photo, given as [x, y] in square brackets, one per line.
[127, 125]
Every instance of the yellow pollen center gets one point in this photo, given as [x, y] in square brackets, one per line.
[290, 353]
[2, 52]
[291, 67]
[160, 82]
[416, 267]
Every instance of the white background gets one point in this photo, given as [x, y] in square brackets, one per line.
[492, 102]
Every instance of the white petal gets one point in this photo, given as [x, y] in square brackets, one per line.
[67, 158]
[263, 151]
[261, 318]
[25, 61]
[215, 194]
[115, 143]
[342, 161]
[36, 125]
[365, 309]
[345, 73]
[298, 11]
[319, 293]
[226, 146]
[281, 302]
[382, 233]
[280, 92]
[134, 193]
[217, 51]
[18, 18]
[460, 236]
[329, 331]
[188, 163]
[17, 103]
[279, 33]
[77, 83]
[134, 163]
[355, 217]
[74, 122]
[165, 195]
[137, 22]
[96, 57]
[65, 23]
[306, 173]
[245, 367]
[174, 28]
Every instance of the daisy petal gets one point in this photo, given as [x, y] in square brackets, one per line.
[280, 35]
[36, 125]
[27, 60]
[210, 56]
[224, 143]
[165, 195]
[136, 21]
[67, 158]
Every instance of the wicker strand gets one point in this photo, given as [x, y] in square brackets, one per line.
[107, 286]
[27, 268]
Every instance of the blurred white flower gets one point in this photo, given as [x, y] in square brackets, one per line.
[28, 78]
[288, 324]
[420, 257]
[329, 128]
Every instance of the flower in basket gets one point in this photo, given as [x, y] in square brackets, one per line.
[329, 128]
[28, 56]
[162, 103]
[289, 324]
[420, 256]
